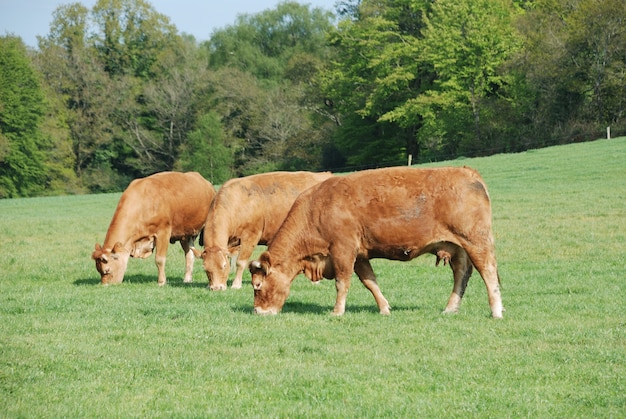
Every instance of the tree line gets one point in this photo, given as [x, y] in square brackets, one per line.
[115, 92]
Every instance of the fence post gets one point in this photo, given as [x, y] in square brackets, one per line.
[608, 133]
[410, 159]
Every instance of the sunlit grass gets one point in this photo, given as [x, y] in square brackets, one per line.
[72, 348]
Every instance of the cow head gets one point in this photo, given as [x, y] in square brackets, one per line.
[216, 265]
[271, 286]
[111, 263]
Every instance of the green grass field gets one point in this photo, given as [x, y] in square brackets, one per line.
[72, 348]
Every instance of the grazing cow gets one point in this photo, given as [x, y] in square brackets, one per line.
[399, 213]
[152, 212]
[246, 212]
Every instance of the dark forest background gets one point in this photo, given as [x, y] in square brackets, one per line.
[116, 92]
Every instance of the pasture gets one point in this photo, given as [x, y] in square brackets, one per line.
[70, 347]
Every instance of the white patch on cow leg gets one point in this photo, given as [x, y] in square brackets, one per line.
[160, 263]
[381, 301]
[189, 259]
[492, 282]
[364, 270]
[495, 302]
[453, 304]
[342, 286]
[238, 281]
[187, 245]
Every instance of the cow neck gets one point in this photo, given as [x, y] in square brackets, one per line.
[122, 228]
[218, 226]
[288, 250]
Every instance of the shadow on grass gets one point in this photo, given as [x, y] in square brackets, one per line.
[88, 281]
[295, 307]
[311, 308]
[143, 279]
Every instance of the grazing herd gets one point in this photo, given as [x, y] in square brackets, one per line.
[317, 224]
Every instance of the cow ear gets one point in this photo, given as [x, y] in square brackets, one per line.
[256, 267]
[255, 264]
[117, 248]
[96, 253]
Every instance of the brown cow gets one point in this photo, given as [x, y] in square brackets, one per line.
[152, 212]
[246, 212]
[399, 213]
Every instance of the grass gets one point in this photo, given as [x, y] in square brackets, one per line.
[72, 348]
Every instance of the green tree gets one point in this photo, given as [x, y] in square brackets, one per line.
[575, 58]
[238, 99]
[131, 35]
[158, 79]
[72, 71]
[375, 71]
[467, 43]
[158, 114]
[264, 43]
[264, 86]
[205, 151]
[22, 111]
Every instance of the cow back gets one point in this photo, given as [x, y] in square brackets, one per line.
[384, 210]
[256, 203]
[179, 201]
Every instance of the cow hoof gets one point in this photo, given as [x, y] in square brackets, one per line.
[386, 311]
[450, 311]
[236, 286]
[187, 281]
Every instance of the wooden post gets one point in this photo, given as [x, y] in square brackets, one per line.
[410, 159]
[608, 133]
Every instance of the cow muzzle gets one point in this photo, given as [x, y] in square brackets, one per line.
[220, 287]
[108, 279]
[265, 312]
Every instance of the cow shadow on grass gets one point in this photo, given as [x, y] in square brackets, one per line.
[295, 307]
[132, 279]
[143, 279]
[311, 308]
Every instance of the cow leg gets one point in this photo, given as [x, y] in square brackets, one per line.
[187, 244]
[489, 272]
[344, 268]
[160, 256]
[486, 265]
[462, 270]
[342, 284]
[364, 270]
[245, 251]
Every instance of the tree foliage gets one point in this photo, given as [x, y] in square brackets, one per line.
[22, 109]
[263, 44]
[374, 72]
[265, 67]
[466, 43]
[575, 64]
[115, 92]
[205, 151]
